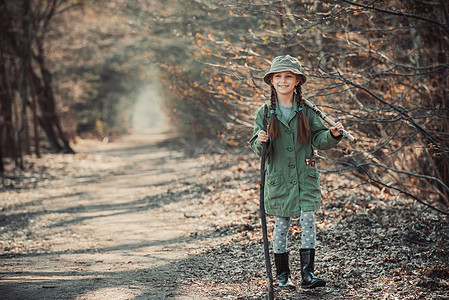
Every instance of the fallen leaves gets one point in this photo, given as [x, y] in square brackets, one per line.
[367, 247]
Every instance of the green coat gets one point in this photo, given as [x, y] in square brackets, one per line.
[290, 184]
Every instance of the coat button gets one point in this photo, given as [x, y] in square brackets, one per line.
[294, 181]
[288, 131]
[290, 148]
[291, 165]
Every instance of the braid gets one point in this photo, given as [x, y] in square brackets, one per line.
[303, 123]
[273, 130]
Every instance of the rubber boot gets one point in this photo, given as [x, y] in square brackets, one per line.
[309, 280]
[283, 278]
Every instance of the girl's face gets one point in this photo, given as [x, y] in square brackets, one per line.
[285, 82]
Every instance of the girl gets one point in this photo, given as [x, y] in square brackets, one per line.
[292, 185]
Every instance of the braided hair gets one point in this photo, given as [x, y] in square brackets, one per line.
[273, 130]
[303, 123]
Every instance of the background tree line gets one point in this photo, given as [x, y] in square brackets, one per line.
[378, 66]
[27, 97]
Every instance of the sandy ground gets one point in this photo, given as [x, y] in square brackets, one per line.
[144, 217]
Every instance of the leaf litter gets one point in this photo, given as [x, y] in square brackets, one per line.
[370, 245]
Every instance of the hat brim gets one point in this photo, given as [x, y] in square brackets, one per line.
[267, 76]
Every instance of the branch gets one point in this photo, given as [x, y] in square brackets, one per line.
[399, 110]
[68, 7]
[359, 167]
[405, 172]
[408, 194]
[443, 26]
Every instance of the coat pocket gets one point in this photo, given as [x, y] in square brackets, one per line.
[313, 173]
[310, 187]
[275, 185]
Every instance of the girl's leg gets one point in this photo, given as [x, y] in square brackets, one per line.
[281, 226]
[307, 220]
[283, 278]
[309, 280]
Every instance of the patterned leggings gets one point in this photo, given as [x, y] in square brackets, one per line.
[307, 220]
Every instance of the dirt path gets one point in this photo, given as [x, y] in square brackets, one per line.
[140, 219]
[113, 223]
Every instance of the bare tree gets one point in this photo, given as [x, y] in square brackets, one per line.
[26, 92]
[378, 66]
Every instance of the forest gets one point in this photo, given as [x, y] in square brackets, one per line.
[75, 67]
[73, 70]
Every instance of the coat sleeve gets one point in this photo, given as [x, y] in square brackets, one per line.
[258, 126]
[322, 138]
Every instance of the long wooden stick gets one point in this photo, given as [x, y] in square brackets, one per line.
[262, 212]
[329, 120]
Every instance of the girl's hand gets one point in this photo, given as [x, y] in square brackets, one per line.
[262, 137]
[335, 129]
